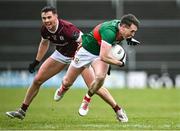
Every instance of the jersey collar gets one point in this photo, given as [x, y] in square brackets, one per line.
[56, 27]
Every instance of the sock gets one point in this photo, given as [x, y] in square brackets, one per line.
[87, 98]
[24, 107]
[87, 95]
[63, 89]
[116, 108]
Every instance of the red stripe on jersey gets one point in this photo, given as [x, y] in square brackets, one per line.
[96, 34]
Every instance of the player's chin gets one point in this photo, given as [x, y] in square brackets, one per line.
[127, 37]
[48, 26]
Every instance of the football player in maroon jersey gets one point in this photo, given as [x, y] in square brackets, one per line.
[66, 37]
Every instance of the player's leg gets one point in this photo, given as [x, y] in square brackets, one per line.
[100, 70]
[88, 76]
[75, 68]
[71, 75]
[48, 69]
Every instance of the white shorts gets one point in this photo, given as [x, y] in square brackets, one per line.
[83, 58]
[61, 58]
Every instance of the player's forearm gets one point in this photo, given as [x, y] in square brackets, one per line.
[110, 60]
[106, 56]
[43, 47]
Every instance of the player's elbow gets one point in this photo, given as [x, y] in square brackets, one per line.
[103, 58]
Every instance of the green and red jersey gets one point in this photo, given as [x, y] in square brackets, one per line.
[106, 31]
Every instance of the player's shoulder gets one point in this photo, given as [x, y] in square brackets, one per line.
[65, 22]
[110, 26]
[68, 26]
[111, 21]
[69, 29]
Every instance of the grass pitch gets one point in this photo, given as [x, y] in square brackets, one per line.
[147, 109]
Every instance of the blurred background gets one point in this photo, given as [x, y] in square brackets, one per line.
[155, 63]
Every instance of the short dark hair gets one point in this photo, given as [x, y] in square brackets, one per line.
[130, 19]
[49, 8]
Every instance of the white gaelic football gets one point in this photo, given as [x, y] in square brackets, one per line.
[118, 52]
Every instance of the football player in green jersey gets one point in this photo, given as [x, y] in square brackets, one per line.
[95, 49]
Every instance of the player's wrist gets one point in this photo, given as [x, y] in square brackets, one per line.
[36, 62]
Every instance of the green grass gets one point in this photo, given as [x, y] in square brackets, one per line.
[147, 109]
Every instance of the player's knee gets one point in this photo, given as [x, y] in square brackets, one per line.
[37, 81]
[67, 82]
[100, 78]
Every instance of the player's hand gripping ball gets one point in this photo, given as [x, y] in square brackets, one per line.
[118, 53]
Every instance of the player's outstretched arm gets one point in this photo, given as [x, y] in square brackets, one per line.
[43, 47]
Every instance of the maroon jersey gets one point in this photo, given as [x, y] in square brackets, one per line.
[64, 38]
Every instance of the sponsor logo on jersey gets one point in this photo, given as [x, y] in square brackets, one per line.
[54, 37]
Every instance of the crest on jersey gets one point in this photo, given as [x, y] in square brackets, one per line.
[54, 37]
[76, 60]
[61, 37]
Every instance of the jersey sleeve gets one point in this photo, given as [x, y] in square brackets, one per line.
[108, 36]
[74, 33]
